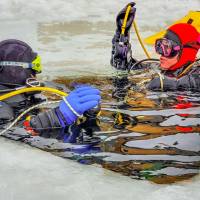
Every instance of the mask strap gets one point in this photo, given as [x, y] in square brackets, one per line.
[20, 64]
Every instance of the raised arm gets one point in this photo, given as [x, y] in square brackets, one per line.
[121, 56]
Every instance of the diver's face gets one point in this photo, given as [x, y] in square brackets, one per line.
[166, 62]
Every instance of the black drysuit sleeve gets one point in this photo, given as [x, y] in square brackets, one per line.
[6, 113]
[189, 82]
[46, 122]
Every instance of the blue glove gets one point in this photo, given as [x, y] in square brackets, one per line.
[77, 102]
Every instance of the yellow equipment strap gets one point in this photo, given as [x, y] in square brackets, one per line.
[136, 30]
[185, 70]
[125, 19]
[140, 40]
[161, 81]
[32, 89]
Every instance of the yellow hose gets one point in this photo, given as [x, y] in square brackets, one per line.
[136, 30]
[125, 19]
[140, 40]
[32, 89]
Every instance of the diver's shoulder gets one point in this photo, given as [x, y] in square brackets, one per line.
[6, 113]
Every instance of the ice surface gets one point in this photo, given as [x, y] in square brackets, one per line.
[188, 142]
[28, 173]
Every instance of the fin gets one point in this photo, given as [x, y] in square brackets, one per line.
[193, 17]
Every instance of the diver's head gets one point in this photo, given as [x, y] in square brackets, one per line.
[179, 47]
[18, 62]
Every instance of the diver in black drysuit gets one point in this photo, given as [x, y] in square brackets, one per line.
[178, 50]
[19, 65]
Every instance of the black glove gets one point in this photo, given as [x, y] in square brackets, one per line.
[46, 123]
[169, 84]
[189, 82]
[121, 15]
[121, 52]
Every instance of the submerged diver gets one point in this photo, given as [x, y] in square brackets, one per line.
[177, 49]
[19, 65]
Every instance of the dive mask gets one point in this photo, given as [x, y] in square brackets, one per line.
[168, 48]
[34, 65]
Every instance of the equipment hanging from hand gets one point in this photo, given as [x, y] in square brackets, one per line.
[125, 19]
[121, 50]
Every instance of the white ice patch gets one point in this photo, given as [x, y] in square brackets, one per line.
[181, 121]
[115, 157]
[176, 192]
[167, 112]
[187, 142]
[173, 171]
[27, 173]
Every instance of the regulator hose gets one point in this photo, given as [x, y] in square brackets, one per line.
[32, 89]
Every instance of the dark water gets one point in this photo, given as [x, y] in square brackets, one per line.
[144, 135]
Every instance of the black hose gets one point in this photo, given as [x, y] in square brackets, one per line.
[141, 61]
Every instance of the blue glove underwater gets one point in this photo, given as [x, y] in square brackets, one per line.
[77, 102]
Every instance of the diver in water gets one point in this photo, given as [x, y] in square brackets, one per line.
[177, 49]
[19, 65]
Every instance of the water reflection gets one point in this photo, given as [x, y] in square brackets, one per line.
[158, 136]
[75, 48]
[149, 135]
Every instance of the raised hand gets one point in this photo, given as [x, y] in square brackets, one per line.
[121, 16]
